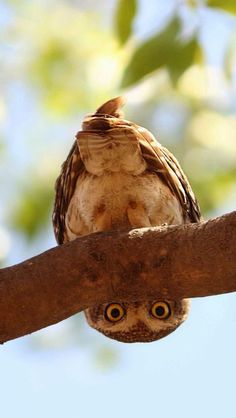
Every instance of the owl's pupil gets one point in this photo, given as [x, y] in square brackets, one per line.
[115, 313]
[160, 311]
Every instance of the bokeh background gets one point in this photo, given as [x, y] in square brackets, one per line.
[175, 63]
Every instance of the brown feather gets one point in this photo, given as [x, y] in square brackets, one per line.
[112, 107]
[162, 161]
[105, 121]
[71, 169]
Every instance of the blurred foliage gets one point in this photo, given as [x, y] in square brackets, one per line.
[62, 51]
[165, 49]
[60, 60]
[64, 60]
[31, 210]
[124, 16]
[228, 5]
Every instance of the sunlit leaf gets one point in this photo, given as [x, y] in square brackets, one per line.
[165, 49]
[227, 5]
[124, 16]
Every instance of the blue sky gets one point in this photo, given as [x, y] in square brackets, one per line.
[190, 373]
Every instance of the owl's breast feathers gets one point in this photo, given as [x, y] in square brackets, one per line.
[119, 174]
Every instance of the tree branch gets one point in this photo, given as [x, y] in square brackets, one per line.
[168, 262]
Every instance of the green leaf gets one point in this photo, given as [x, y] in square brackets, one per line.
[124, 16]
[152, 54]
[182, 56]
[227, 5]
[165, 49]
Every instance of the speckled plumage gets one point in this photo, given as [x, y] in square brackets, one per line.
[118, 176]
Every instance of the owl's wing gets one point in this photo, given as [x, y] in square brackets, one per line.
[64, 187]
[161, 161]
[73, 167]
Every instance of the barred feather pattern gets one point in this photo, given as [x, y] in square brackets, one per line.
[103, 127]
[71, 169]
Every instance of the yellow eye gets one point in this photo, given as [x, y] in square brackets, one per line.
[114, 312]
[161, 310]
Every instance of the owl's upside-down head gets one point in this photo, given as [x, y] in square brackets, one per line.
[138, 321]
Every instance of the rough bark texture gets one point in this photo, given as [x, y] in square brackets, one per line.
[168, 262]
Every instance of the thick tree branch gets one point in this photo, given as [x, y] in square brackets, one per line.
[167, 262]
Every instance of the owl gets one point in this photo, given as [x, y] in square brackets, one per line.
[117, 176]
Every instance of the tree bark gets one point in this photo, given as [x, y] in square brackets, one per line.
[171, 262]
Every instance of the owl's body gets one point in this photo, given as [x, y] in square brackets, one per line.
[120, 200]
[118, 176]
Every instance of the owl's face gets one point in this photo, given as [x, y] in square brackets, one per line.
[138, 321]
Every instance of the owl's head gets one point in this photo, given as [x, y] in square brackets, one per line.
[138, 321]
